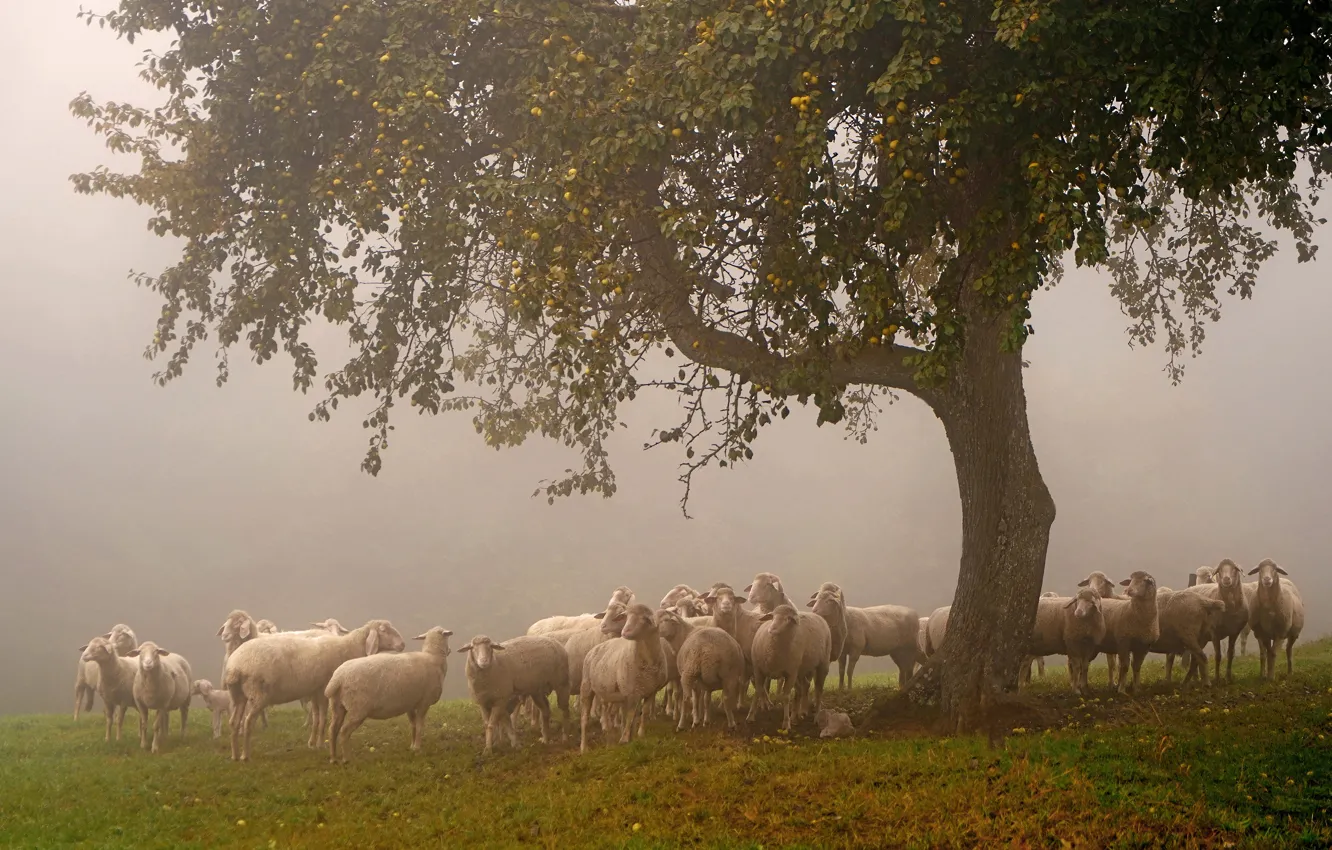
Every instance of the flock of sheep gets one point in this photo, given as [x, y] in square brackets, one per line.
[688, 647]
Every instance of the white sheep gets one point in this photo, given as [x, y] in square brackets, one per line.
[285, 667]
[1131, 625]
[829, 603]
[1187, 622]
[766, 593]
[1047, 634]
[789, 646]
[1101, 583]
[1227, 587]
[529, 666]
[217, 701]
[1277, 614]
[161, 683]
[877, 631]
[833, 724]
[122, 641]
[625, 672]
[115, 681]
[730, 615]
[922, 637]
[675, 594]
[387, 685]
[709, 659]
[936, 630]
[563, 622]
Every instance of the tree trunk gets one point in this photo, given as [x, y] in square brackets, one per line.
[1007, 512]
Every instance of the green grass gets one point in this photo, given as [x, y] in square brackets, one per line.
[1249, 765]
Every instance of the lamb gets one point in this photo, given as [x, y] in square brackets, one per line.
[1131, 625]
[829, 604]
[1226, 586]
[936, 630]
[709, 659]
[387, 685]
[284, 667]
[793, 646]
[766, 592]
[1187, 622]
[216, 701]
[122, 641]
[115, 681]
[834, 724]
[528, 666]
[877, 631]
[1277, 614]
[625, 671]
[161, 682]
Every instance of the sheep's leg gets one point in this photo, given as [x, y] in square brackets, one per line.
[110, 711]
[1123, 665]
[730, 698]
[143, 726]
[339, 715]
[217, 723]
[841, 671]
[584, 713]
[184, 716]
[1244, 640]
[754, 703]
[787, 693]
[1040, 665]
[851, 670]
[687, 697]
[263, 717]
[418, 733]
[253, 708]
[1200, 655]
[509, 727]
[162, 728]
[1230, 659]
[631, 710]
[820, 677]
[1111, 662]
[1138, 657]
[237, 723]
[1170, 666]
[562, 702]
[542, 707]
[488, 717]
[1290, 655]
[318, 709]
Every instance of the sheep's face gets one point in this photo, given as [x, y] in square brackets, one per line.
[669, 623]
[265, 627]
[825, 604]
[150, 656]
[690, 606]
[1140, 585]
[724, 601]
[237, 628]
[622, 595]
[97, 649]
[331, 626]
[1227, 574]
[783, 619]
[1206, 575]
[1087, 604]
[1269, 574]
[122, 639]
[638, 623]
[201, 688]
[482, 650]
[613, 618]
[436, 639]
[766, 590]
[1098, 582]
[383, 637]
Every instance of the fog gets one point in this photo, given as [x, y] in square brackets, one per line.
[167, 508]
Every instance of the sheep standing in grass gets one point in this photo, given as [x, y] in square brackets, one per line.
[792, 646]
[1084, 631]
[729, 615]
[500, 675]
[1277, 615]
[625, 671]
[386, 685]
[709, 659]
[1105, 588]
[161, 683]
[1226, 586]
[766, 593]
[878, 631]
[115, 681]
[1131, 626]
[122, 641]
[675, 594]
[286, 667]
[829, 603]
[1047, 634]
[216, 701]
[1187, 623]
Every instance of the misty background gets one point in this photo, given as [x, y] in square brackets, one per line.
[167, 508]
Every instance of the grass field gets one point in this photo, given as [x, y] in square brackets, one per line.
[1249, 765]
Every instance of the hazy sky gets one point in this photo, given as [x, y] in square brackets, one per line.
[166, 508]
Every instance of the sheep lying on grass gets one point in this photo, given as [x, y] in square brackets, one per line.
[387, 685]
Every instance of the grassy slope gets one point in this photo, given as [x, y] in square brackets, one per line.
[1248, 765]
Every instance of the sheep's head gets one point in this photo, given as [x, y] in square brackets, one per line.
[97, 649]
[613, 618]
[236, 629]
[827, 587]
[1205, 574]
[382, 637]
[265, 627]
[330, 625]
[1099, 582]
[1049, 594]
[623, 595]
[783, 618]
[436, 639]
[481, 651]
[669, 622]
[690, 606]
[1269, 574]
[1140, 585]
[766, 591]
[723, 600]
[122, 638]
[201, 688]
[680, 591]
[1226, 574]
[1086, 604]
[826, 604]
[639, 623]
[150, 655]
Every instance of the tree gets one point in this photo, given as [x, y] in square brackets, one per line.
[814, 200]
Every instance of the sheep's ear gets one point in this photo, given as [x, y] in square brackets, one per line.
[372, 642]
[497, 646]
[107, 635]
[1254, 571]
[245, 630]
[447, 633]
[134, 653]
[1126, 582]
[320, 625]
[1283, 572]
[748, 588]
[809, 604]
[1084, 582]
[1070, 602]
[765, 618]
[161, 651]
[220, 629]
[600, 615]
[84, 647]
[777, 586]
[742, 600]
[420, 637]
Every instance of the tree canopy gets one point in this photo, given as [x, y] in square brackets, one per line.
[510, 205]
